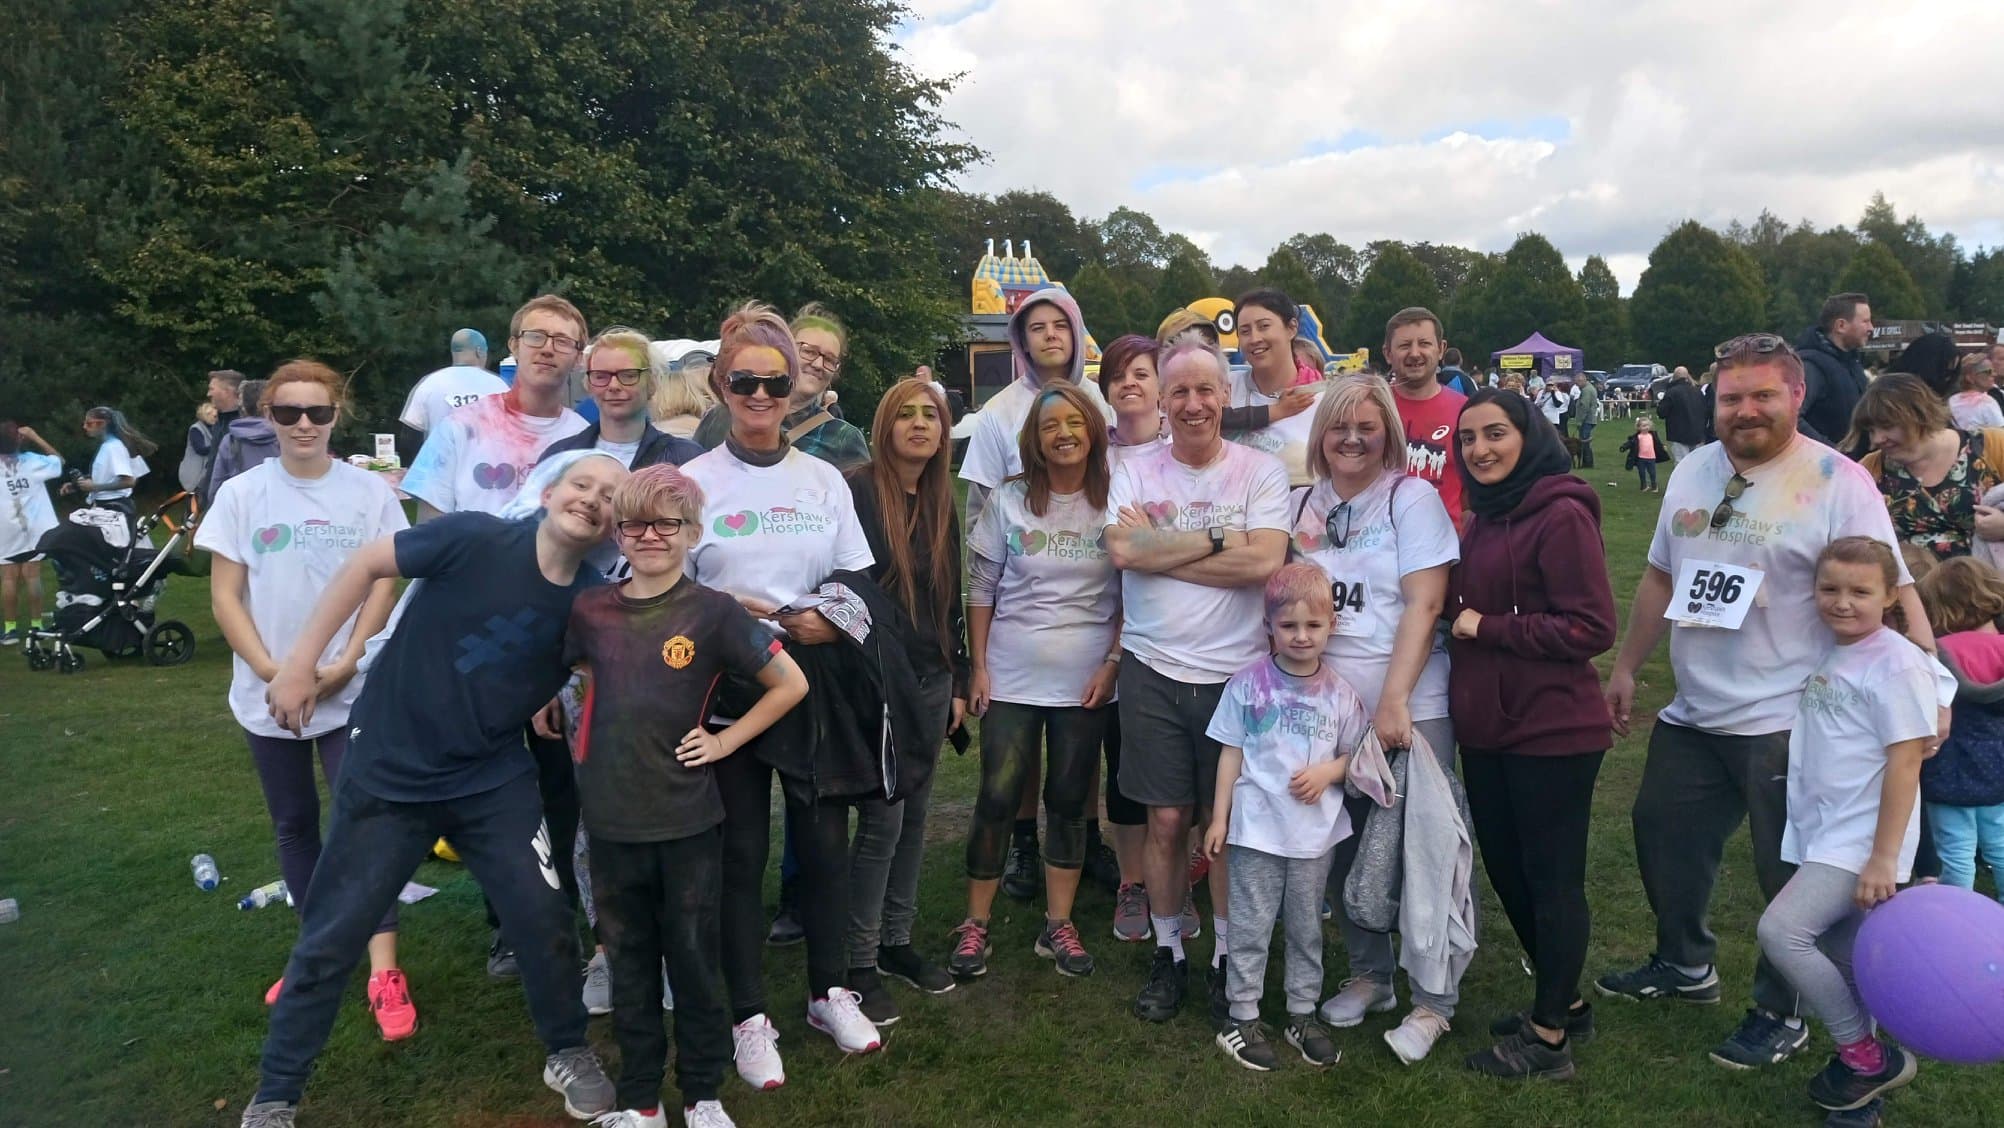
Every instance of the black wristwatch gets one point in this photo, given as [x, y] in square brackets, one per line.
[1217, 539]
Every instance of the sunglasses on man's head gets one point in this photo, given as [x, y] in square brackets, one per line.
[287, 415]
[1752, 344]
[743, 383]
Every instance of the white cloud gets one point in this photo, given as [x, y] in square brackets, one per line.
[1599, 124]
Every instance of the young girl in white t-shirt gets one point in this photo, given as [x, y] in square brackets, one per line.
[279, 532]
[1854, 757]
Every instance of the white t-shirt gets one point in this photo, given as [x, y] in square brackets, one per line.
[1185, 631]
[1395, 529]
[622, 451]
[1864, 698]
[1282, 724]
[992, 453]
[774, 533]
[1117, 453]
[26, 512]
[1745, 682]
[1286, 440]
[439, 394]
[1057, 602]
[291, 535]
[112, 462]
[1975, 410]
[478, 458]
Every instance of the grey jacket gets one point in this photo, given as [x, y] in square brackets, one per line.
[1415, 861]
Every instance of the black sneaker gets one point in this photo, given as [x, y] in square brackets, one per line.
[1168, 981]
[501, 959]
[1307, 1035]
[873, 996]
[1221, 1010]
[1102, 867]
[903, 961]
[786, 927]
[1023, 873]
[970, 949]
[1870, 1115]
[1763, 1038]
[1579, 1025]
[1525, 1055]
[1246, 1043]
[1059, 942]
[1658, 980]
[1839, 1088]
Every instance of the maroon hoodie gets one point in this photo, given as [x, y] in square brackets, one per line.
[1525, 684]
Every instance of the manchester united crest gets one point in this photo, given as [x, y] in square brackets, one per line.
[678, 651]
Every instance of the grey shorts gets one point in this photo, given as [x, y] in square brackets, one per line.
[1165, 758]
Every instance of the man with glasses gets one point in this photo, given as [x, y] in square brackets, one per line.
[1731, 578]
[619, 377]
[478, 458]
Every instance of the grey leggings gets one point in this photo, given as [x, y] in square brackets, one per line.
[1266, 888]
[1806, 933]
[1370, 952]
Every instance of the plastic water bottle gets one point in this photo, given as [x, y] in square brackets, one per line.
[207, 877]
[10, 911]
[273, 894]
[506, 371]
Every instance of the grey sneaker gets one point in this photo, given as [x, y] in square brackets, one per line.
[576, 1074]
[598, 985]
[1247, 1044]
[270, 1114]
[1059, 942]
[501, 959]
[1763, 1038]
[1356, 998]
[1316, 1047]
[1130, 915]
[1658, 980]
[1192, 921]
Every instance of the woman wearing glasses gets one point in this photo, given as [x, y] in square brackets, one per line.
[1387, 544]
[821, 344]
[279, 532]
[622, 376]
[776, 523]
[1532, 608]
[1933, 474]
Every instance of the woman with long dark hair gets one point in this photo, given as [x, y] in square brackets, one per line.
[119, 463]
[904, 501]
[1532, 609]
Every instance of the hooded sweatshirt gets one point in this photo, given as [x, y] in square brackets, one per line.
[1525, 685]
[249, 442]
[992, 454]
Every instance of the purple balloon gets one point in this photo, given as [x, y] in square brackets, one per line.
[1929, 965]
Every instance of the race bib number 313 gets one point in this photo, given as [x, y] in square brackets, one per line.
[1710, 594]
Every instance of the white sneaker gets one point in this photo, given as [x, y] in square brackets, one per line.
[598, 985]
[1413, 1038]
[631, 1118]
[1357, 998]
[667, 992]
[707, 1114]
[757, 1053]
[840, 1016]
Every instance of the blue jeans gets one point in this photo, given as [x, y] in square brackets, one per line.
[1961, 835]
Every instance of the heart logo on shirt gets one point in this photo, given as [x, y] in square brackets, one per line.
[1026, 542]
[741, 524]
[492, 476]
[271, 539]
[1161, 514]
[1689, 523]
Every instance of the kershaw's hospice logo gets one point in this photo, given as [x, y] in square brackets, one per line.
[316, 533]
[780, 520]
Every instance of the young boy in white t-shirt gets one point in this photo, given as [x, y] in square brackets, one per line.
[1854, 760]
[1288, 724]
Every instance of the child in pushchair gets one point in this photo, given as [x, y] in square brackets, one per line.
[108, 580]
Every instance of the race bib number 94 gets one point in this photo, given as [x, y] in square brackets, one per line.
[1351, 598]
[1710, 594]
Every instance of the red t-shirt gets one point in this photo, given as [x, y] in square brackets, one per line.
[1431, 453]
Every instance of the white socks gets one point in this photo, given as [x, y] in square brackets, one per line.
[1168, 933]
[1218, 949]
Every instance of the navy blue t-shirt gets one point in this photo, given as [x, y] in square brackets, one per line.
[479, 649]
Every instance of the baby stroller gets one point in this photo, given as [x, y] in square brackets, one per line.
[108, 579]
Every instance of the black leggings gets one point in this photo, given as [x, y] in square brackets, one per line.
[1531, 815]
[1010, 737]
[819, 830]
[1120, 810]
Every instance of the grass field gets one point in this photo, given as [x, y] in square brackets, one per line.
[131, 998]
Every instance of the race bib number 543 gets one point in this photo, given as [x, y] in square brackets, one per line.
[1710, 594]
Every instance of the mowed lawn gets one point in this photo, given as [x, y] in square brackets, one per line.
[132, 998]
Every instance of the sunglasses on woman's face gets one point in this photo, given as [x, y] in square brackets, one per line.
[743, 383]
[287, 415]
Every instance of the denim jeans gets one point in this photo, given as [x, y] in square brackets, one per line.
[889, 848]
[1964, 834]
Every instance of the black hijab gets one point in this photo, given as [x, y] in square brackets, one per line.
[1544, 455]
[1932, 357]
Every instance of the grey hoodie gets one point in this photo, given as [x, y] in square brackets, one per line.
[249, 442]
[992, 453]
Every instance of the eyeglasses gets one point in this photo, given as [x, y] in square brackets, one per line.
[287, 415]
[827, 361]
[742, 383]
[1757, 344]
[1344, 511]
[664, 527]
[627, 377]
[1735, 486]
[536, 339]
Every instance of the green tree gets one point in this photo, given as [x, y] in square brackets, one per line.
[1875, 272]
[1929, 260]
[1130, 241]
[1236, 280]
[1395, 280]
[1285, 272]
[1531, 291]
[1101, 302]
[1336, 268]
[1978, 293]
[1061, 243]
[1183, 281]
[1603, 334]
[1699, 290]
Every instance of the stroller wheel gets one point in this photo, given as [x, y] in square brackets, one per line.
[69, 662]
[169, 644]
[39, 660]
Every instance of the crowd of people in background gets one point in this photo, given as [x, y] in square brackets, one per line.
[1314, 644]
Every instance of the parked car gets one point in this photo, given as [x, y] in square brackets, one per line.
[1633, 378]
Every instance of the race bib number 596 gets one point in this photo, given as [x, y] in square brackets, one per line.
[1710, 594]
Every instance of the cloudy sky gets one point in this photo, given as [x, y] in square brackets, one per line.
[1599, 124]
